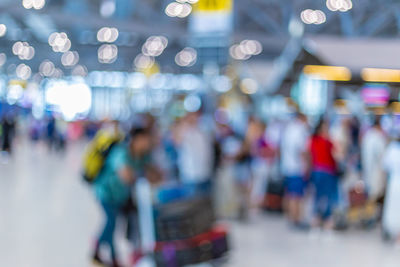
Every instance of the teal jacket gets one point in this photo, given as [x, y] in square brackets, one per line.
[109, 187]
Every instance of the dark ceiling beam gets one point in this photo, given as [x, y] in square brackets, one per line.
[347, 24]
[262, 19]
[376, 23]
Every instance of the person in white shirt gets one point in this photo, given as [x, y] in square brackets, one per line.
[373, 147]
[294, 165]
[195, 152]
[391, 215]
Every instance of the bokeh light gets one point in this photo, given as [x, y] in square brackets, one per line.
[187, 57]
[23, 71]
[59, 42]
[3, 30]
[310, 16]
[154, 46]
[143, 62]
[35, 4]
[47, 68]
[107, 53]
[249, 86]
[180, 10]
[339, 5]
[70, 58]
[107, 35]
[23, 50]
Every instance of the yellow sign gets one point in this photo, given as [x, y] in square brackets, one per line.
[214, 5]
[381, 75]
[328, 73]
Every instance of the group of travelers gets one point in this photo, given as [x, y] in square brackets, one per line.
[345, 170]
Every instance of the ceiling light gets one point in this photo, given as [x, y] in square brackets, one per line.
[339, 5]
[107, 53]
[144, 62]
[310, 16]
[249, 86]
[107, 35]
[236, 52]
[23, 71]
[187, 57]
[180, 10]
[46, 68]
[154, 46]
[36, 4]
[251, 47]
[59, 42]
[3, 30]
[70, 58]
[23, 50]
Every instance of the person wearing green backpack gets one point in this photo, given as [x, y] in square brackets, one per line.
[123, 165]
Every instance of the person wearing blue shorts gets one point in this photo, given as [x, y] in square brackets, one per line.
[294, 167]
[294, 186]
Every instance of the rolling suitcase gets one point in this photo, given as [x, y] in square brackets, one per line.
[273, 200]
[183, 219]
[202, 248]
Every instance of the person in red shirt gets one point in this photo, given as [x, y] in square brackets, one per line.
[323, 176]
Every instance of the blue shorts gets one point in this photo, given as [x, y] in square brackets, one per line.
[294, 186]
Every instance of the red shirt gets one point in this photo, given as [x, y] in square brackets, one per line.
[321, 154]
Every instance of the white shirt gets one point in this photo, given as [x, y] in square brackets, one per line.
[195, 155]
[294, 144]
[391, 159]
[373, 148]
[391, 215]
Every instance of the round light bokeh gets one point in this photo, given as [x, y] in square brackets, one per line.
[143, 61]
[23, 71]
[70, 58]
[107, 53]
[249, 86]
[3, 30]
[187, 57]
[107, 35]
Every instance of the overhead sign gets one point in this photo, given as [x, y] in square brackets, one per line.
[211, 16]
[213, 5]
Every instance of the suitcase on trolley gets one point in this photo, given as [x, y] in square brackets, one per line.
[183, 219]
[202, 248]
[208, 245]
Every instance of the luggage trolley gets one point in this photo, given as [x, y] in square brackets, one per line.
[180, 231]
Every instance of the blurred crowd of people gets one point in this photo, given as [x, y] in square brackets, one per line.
[325, 175]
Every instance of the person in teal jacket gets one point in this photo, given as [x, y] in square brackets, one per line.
[123, 165]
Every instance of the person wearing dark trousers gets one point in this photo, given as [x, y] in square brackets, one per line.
[123, 165]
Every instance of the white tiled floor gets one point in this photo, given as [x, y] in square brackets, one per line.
[48, 218]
